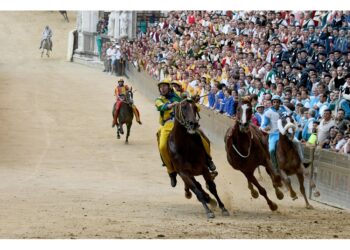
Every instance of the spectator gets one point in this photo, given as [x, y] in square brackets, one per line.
[326, 123]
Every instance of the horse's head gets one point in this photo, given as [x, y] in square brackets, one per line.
[244, 114]
[186, 114]
[286, 125]
[129, 97]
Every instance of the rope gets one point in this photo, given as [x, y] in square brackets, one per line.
[250, 145]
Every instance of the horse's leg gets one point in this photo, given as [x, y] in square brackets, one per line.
[253, 192]
[278, 192]
[199, 186]
[251, 178]
[128, 126]
[275, 177]
[47, 53]
[42, 53]
[121, 130]
[200, 196]
[188, 193]
[288, 183]
[212, 189]
[302, 189]
[118, 135]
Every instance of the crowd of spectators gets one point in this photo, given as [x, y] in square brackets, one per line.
[302, 56]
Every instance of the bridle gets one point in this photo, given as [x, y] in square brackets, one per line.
[250, 141]
[179, 116]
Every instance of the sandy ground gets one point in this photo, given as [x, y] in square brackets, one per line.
[63, 173]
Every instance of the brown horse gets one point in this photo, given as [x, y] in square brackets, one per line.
[247, 148]
[288, 159]
[188, 155]
[125, 115]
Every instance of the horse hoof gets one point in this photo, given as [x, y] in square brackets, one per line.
[118, 136]
[210, 215]
[126, 142]
[273, 206]
[294, 197]
[213, 203]
[225, 212]
[279, 195]
[308, 206]
[255, 194]
[188, 195]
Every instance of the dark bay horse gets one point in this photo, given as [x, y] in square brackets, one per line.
[188, 155]
[247, 148]
[288, 159]
[125, 115]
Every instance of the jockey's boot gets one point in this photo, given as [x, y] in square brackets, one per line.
[139, 122]
[173, 179]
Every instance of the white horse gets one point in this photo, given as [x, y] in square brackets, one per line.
[46, 45]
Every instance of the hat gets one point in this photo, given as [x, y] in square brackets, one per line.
[260, 105]
[276, 97]
[165, 81]
[120, 80]
[176, 82]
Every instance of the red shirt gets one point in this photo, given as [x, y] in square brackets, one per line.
[191, 19]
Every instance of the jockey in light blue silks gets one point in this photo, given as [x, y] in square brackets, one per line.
[269, 124]
[345, 95]
[47, 34]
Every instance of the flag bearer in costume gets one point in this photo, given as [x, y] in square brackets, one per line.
[165, 104]
[120, 92]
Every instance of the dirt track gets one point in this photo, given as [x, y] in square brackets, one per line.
[63, 173]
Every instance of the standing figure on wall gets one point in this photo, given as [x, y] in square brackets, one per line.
[124, 24]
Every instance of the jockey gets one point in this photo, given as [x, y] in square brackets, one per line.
[269, 123]
[120, 92]
[165, 104]
[47, 34]
[177, 87]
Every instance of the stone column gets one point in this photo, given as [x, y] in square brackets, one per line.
[86, 22]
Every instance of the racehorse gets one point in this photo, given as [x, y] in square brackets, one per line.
[64, 14]
[247, 148]
[125, 115]
[288, 159]
[46, 46]
[188, 156]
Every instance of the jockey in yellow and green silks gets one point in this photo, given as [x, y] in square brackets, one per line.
[165, 105]
[120, 92]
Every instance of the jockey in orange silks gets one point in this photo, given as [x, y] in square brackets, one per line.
[120, 92]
